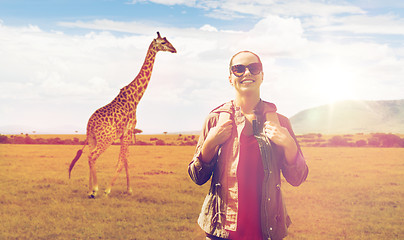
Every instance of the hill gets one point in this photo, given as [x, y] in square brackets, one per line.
[351, 117]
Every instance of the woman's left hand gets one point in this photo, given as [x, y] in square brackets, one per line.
[281, 136]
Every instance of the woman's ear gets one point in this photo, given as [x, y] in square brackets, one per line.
[231, 81]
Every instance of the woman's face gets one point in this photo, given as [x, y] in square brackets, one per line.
[247, 83]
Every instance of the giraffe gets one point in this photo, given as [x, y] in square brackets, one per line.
[117, 120]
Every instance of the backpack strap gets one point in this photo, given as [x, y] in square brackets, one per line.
[272, 117]
[223, 117]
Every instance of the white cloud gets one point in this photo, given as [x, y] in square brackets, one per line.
[364, 24]
[208, 28]
[274, 36]
[373, 4]
[107, 25]
[227, 9]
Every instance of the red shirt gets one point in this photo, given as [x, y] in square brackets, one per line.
[250, 175]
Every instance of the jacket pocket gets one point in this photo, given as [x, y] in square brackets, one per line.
[211, 218]
[218, 216]
[282, 219]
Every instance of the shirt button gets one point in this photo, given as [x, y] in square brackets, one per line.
[270, 229]
[269, 199]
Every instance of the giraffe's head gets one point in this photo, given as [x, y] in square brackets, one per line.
[162, 44]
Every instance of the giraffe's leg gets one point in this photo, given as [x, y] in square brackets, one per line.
[123, 160]
[93, 188]
[92, 143]
[129, 189]
[90, 184]
[128, 140]
[118, 170]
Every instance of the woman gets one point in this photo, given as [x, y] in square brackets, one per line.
[244, 146]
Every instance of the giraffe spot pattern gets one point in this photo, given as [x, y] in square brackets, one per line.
[117, 120]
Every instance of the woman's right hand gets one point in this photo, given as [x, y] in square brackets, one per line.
[217, 136]
[220, 133]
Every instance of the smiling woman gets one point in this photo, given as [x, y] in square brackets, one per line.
[243, 148]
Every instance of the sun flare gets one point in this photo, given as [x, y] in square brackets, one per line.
[334, 83]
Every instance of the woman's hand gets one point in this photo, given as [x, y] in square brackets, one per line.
[281, 136]
[217, 136]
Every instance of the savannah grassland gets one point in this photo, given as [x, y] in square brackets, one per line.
[350, 193]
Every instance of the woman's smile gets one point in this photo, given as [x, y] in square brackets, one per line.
[247, 81]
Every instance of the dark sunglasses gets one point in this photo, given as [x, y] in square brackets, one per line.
[239, 70]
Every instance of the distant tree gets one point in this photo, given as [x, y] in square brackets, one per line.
[3, 139]
[388, 140]
[68, 142]
[360, 143]
[189, 143]
[136, 131]
[55, 141]
[142, 143]
[338, 141]
[40, 141]
[160, 142]
[28, 140]
[18, 140]
[373, 141]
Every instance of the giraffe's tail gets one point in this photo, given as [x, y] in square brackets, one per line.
[76, 158]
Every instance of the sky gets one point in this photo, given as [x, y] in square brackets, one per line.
[62, 60]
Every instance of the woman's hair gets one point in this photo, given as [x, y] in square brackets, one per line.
[231, 60]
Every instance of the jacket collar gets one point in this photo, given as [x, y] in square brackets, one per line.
[230, 107]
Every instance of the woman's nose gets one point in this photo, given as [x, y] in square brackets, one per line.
[247, 72]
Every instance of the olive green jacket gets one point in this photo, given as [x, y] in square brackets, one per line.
[219, 210]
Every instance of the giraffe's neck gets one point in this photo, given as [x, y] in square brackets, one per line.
[138, 86]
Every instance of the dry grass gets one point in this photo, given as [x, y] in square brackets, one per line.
[351, 193]
[38, 200]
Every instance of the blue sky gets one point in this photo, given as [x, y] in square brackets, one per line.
[49, 13]
[61, 60]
